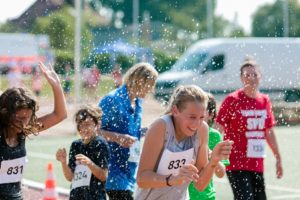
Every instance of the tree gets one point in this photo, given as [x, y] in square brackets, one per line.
[60, 27]
[8, 27]
[268, 20]
[189, 15]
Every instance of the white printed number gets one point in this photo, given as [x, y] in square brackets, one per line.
[175, 164]
[15, 170]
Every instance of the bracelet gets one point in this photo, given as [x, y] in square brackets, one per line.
[167, 180]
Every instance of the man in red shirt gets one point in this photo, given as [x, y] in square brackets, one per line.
[246, 117]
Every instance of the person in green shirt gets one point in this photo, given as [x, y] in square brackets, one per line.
[215, 137]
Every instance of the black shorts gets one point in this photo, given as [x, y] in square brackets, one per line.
[120, 194]
[247, 185]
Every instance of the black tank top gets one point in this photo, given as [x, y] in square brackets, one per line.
[11, 191]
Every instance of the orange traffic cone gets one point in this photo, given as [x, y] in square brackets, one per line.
[49, 191]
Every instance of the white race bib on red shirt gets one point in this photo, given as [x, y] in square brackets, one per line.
[256, 148]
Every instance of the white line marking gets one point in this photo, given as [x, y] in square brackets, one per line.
[270, 187]
[222, 180]
[41, 155]
[291, 196]
[41, 186]
[283, 189]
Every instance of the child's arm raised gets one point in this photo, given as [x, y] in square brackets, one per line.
[60, 112]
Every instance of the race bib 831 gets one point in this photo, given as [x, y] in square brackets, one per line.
[11, 171]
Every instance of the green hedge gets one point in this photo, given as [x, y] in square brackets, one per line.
[125, 61]
[104, 64]
[62, 58]
[163, 61]
[102, 61]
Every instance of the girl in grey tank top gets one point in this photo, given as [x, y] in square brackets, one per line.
[172, 154]
[171, 144]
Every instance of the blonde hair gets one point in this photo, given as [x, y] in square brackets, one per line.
[140, 75]
[185, 94]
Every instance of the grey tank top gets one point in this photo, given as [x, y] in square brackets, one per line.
[170, 143]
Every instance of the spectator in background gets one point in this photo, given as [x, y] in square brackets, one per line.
[246, 117]
[91, 79]
[14, 76]
[67, 81]
[37, 81]
[117, 75]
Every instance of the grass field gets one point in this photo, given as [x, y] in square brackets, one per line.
[105, 86]
[42, 149]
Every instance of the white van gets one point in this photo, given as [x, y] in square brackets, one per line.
[214, 65]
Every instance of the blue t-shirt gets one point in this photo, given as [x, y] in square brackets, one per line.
[98, 151]
[119, 116]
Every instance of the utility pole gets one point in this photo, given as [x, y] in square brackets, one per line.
[209, 11]
[285, 9]
[77, 51]
[135, 19]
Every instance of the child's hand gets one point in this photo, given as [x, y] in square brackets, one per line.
[187, 173]
[49, 74]
[61, 155]
[82, 159]
[126, 140]
[221, 151]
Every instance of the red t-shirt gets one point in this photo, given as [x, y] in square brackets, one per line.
[245, 121]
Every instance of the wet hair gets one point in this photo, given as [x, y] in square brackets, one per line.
[13, 100]
[249, 62]
[88, 111]
[140, 75]
[211, 106]
[184, 94]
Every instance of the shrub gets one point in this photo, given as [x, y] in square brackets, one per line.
[163, 61]
[63, 58]
[125, 62]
